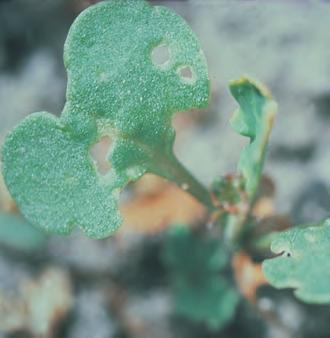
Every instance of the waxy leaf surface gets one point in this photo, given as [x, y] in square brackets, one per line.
[303, 262]
[116, 89]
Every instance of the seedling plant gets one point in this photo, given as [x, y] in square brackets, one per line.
[118, 87]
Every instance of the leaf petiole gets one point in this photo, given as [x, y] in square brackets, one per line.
[174, 171]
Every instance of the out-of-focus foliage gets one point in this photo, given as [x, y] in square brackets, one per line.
[253, 119]
[6, 202]
[115, 88]
[195, 261]
[303, 262]
[17, 233]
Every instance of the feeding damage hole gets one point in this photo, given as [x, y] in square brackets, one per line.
[99, 153]
[186, 74]
[160, 55]
[282, 254]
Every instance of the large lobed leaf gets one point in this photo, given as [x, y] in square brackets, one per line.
[254, 119]
[194, 261]
[114, 88]
[303, 262]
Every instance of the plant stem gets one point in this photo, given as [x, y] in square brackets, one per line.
[174, 171]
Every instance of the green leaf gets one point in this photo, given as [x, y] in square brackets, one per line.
[115, 88]
[211, 301]
[17, 233]
[227, 189]
[303, 262]
[254, 119]
[186, 251]
[194, 261]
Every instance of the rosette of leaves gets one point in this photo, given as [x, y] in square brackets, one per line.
[302, 262]
[115, 88]
[194, 262]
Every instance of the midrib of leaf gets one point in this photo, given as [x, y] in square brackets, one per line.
[163, 163]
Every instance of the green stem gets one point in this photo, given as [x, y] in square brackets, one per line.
[173, 170]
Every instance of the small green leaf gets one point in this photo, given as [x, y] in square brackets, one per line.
[194, 261]
[253, 119]
[17, 233]
[211, 301]
[303, 262]
[227, 189]
[115, 89]
[186, 251]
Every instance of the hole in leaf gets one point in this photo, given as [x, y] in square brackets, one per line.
[186, 74]
[160, 55]
[99, 153]
[278, 254]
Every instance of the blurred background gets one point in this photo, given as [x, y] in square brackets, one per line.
[75, 287]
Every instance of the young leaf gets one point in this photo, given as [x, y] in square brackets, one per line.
[194, 262]
[211, 301]
[254, 119]
[115, 88]
[227, 189]
[17, 233]
[303, 262]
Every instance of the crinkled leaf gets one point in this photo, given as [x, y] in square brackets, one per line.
[194, 261]
[17, 233]
[303, 262]
[116, 89]
[254, 119]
